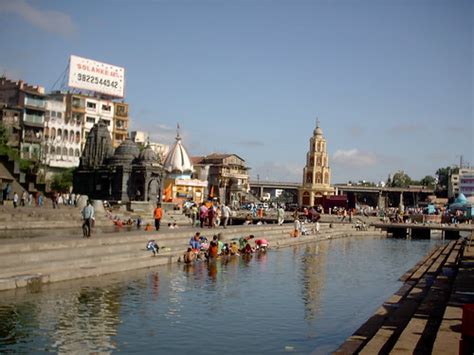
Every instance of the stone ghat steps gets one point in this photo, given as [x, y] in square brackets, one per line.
[86, 254]
[21, 258]
[74, 241]
[60, 260]
[409, 320]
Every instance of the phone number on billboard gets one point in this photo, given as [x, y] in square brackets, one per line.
[95, 80]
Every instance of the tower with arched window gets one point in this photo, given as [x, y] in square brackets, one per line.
[316, 173]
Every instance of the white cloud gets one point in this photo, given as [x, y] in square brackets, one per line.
[48, 20]
[277, 171]
[354, 158]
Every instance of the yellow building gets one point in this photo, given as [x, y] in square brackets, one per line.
[316, 173]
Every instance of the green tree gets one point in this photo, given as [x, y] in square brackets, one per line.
[428, 181]
[400, 179]
[62, 182]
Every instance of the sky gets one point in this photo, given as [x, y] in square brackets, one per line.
[391, 81]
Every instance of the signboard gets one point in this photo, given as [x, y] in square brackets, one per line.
[95, 76]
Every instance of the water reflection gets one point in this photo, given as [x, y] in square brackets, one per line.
[304, 298]
[313, 278]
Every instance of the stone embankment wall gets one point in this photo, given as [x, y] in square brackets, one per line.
[34, 261]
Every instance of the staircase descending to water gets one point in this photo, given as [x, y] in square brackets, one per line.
[408, 322]
[32, 262]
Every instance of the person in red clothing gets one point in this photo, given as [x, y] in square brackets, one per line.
[157, 214]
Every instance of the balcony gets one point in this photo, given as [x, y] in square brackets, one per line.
[34, 120]
[37, 103]
[32, 138]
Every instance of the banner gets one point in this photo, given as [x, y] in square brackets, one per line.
[96, 76]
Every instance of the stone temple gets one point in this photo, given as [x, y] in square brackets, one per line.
[126, 174]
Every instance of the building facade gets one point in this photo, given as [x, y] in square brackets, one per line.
[62, 136]
[461, 183]
[120, 124]
[31, 102]
[10, 118]
[316, 173]
[227, 177]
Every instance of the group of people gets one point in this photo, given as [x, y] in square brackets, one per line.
[200, 248]
[212, 214]
[26, 199]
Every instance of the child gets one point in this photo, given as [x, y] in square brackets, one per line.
[152, 246]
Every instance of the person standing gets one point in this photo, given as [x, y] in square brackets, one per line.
[15, 200]
[158, 214]
[87, 216]
[280, 215]
[202, 214]
[23, 199]
[225, 213]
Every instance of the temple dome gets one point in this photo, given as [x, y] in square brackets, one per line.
[148, 156]
[318, 131]
[177, 160]
[126, 152]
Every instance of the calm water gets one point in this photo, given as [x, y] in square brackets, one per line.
[298, 299]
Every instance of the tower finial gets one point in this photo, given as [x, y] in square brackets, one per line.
[177, 131]
[317, 122]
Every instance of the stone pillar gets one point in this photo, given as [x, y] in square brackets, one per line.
[381, 201]
[260, 192]
[400, 205]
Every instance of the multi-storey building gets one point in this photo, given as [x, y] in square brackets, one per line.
[461, 183]
[120, 132]
[30, 100]
[89, 110]
[316, 173]
[227, 176]
[62, 143]
[10, 118]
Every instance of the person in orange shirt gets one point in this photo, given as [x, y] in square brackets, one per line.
[157, 214]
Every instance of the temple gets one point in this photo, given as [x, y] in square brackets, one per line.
[179, 184]
[316, 173]
[125, 174]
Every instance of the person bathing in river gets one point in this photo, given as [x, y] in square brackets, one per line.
[261, 245]
[189, 256]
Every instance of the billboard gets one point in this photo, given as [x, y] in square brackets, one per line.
[96, 76]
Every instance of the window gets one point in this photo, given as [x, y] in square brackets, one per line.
[106, 108]
[60, 133]
[91, 105]
[90, 119]
[71, 152]
[107, 122]
[59, 115]
[77, 153]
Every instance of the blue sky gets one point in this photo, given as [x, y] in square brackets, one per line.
[391, 81]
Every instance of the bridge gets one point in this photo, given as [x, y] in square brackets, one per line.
[369, 195]
[423, 230]
[383, 196]
[260, 187]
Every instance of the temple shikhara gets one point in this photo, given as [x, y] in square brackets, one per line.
[316, 173]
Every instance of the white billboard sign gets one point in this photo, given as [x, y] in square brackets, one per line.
[95, 76]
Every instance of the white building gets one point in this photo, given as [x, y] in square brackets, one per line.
[97, 109]
[139, 137]
[462, 182]
[62, 143]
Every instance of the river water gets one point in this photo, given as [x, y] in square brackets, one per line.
[302, 299]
